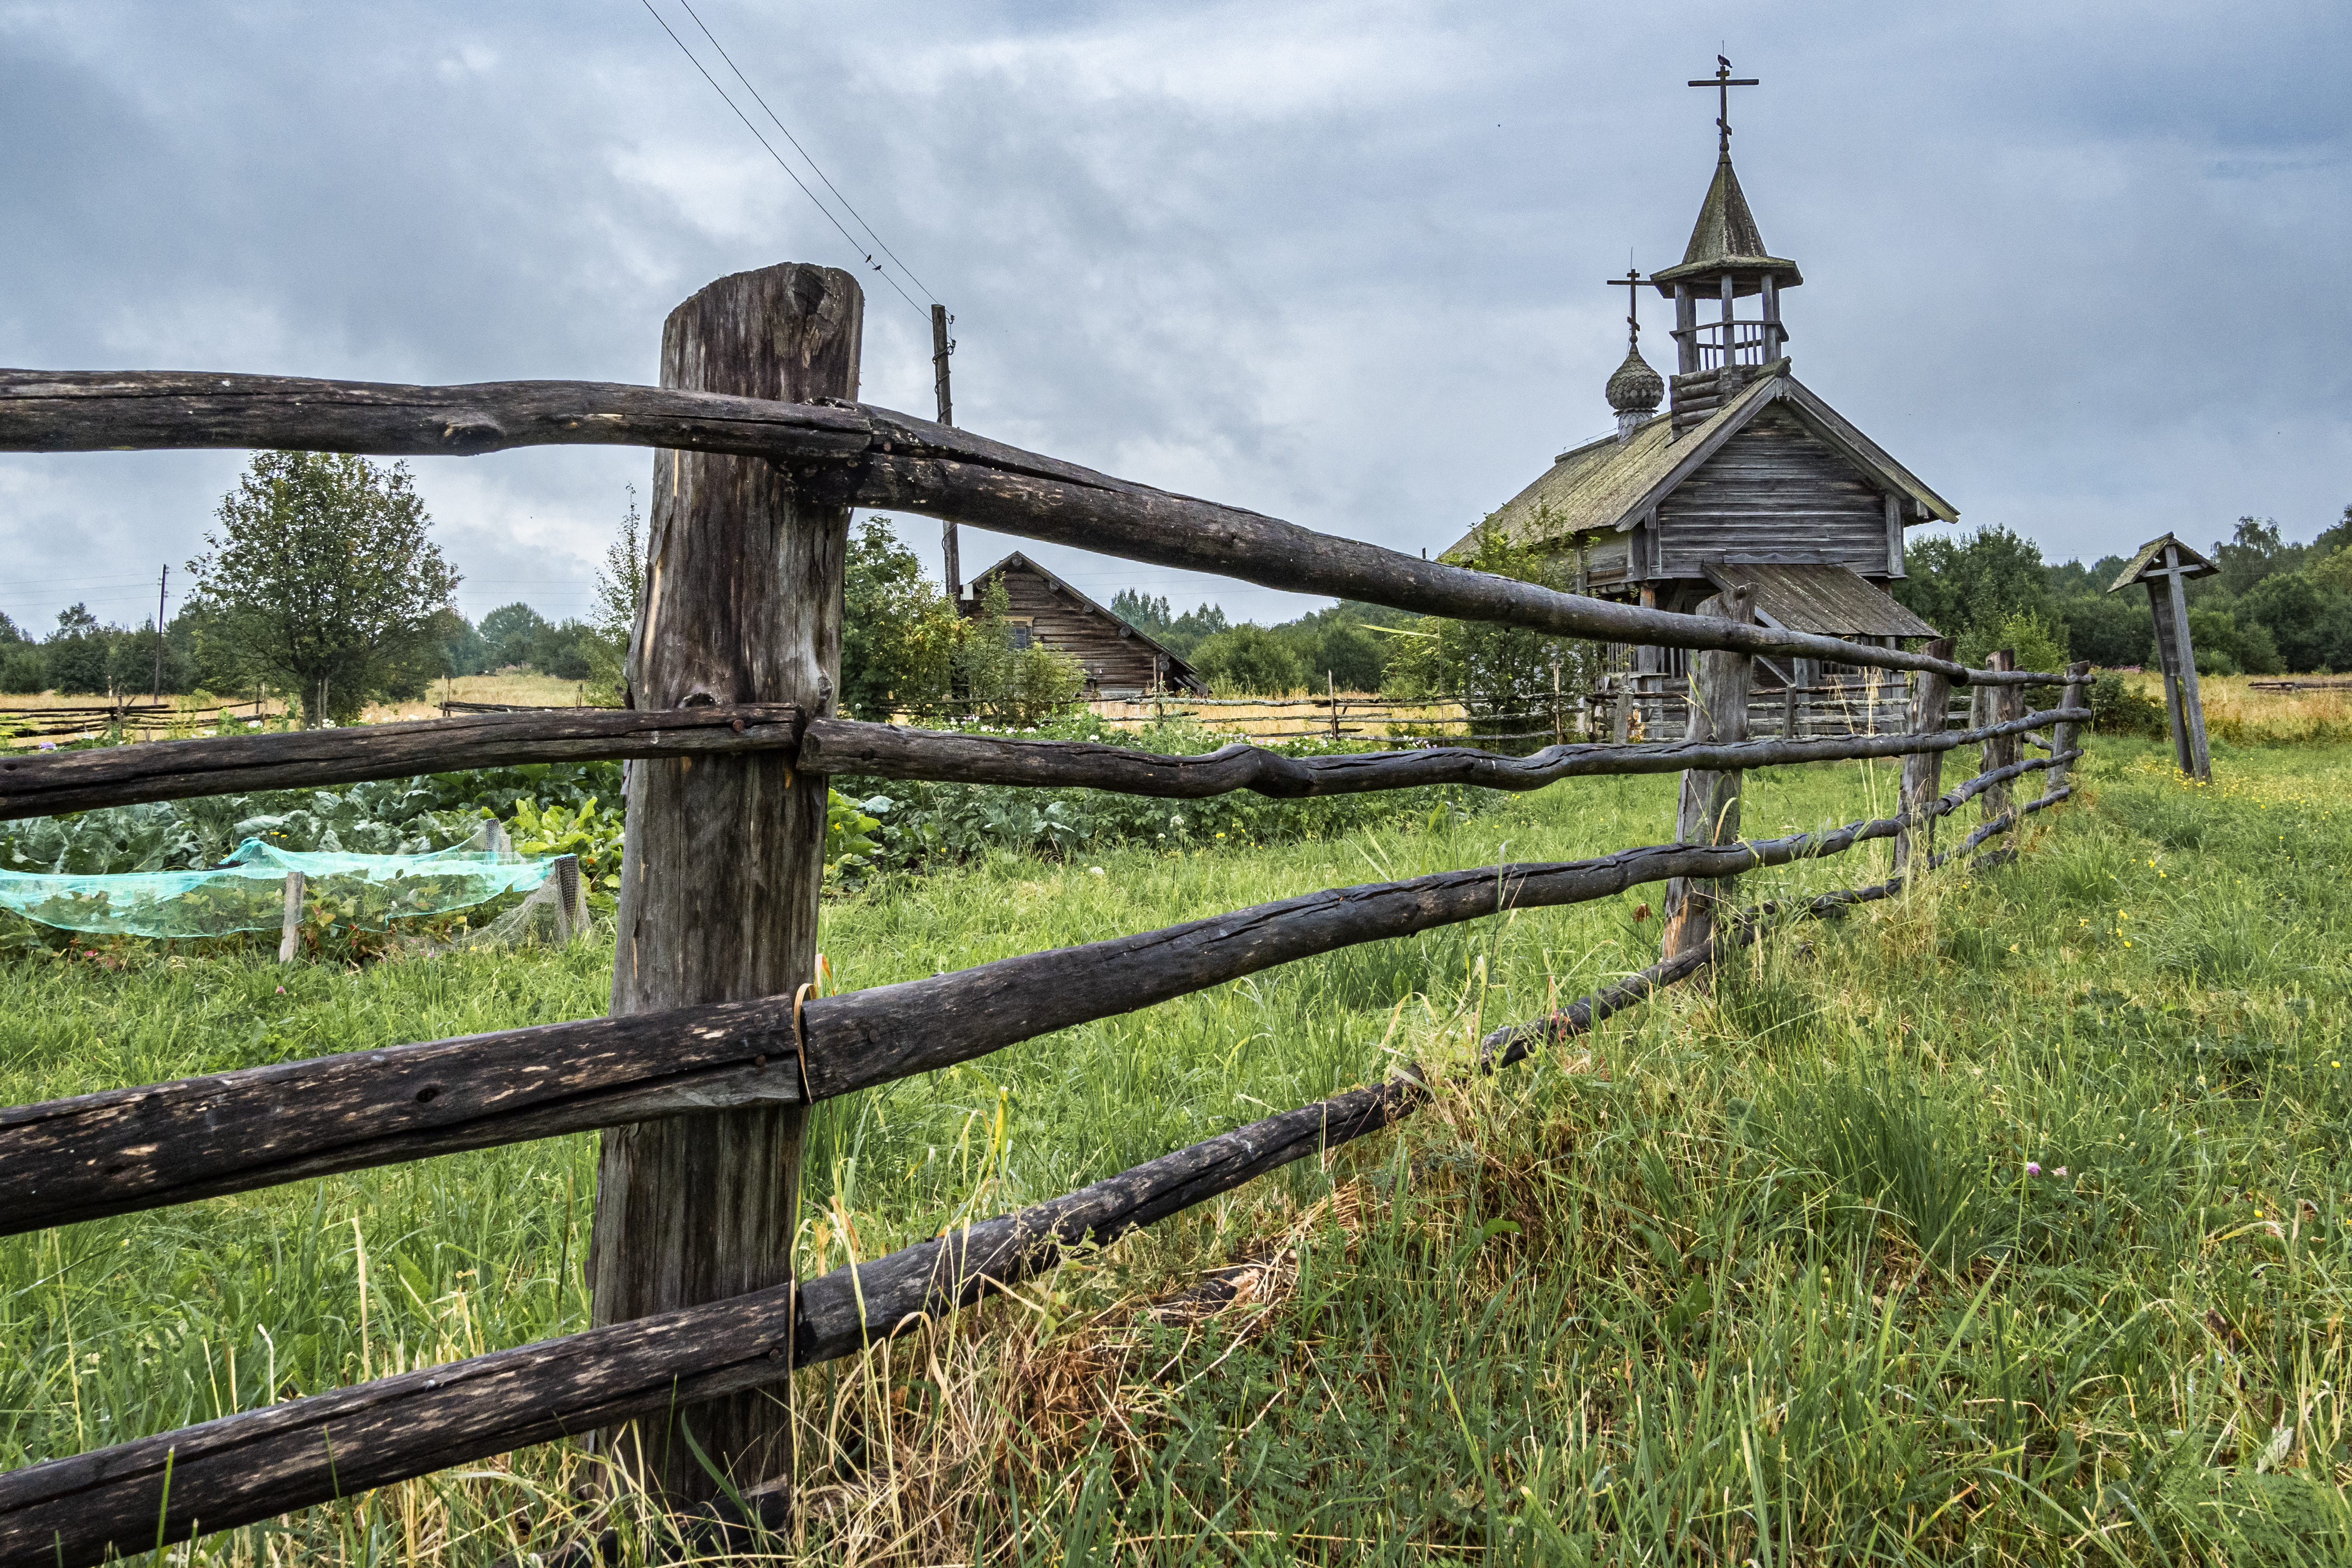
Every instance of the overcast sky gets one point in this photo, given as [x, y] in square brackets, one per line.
[2082, 268]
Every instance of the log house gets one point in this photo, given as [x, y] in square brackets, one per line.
[1120, 659]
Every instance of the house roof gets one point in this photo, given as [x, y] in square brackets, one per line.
[1177, 665]
[2147, 563]
[1609, 485]
[1819, 596]
[1724, 239]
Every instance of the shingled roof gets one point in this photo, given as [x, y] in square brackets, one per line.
[1724, 239]
[2192, 563]
[1819, 596]
[1609, 485]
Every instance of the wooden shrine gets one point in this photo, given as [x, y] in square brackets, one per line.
[2164, 564]
[1747, 477]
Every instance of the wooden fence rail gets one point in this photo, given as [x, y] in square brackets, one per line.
[43, 784]
[847, 454]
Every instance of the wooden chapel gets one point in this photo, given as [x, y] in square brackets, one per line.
[1747, 476]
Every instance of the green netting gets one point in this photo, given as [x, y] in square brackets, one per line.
[248, 890]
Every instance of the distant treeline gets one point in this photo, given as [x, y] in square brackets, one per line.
[82, 656]
[2274, 606]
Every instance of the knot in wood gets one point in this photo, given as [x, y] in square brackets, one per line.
[471, 431]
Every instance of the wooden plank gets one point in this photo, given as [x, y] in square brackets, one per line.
[2000, 748]
[290, 928]
[1707, 809]
[2066, 733]
[871, 1037]
[724, 856]
[121, 1150]
[1931, 700]
[846, 455]
[838, 746]
[2168, 641]
[45, 783]
[2198, 760]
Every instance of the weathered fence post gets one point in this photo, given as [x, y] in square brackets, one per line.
[1708, 811]
[1923, 771]
[1998, 705]
[2064, 732]
[723, 856]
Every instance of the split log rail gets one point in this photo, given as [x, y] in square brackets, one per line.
[706, 1049]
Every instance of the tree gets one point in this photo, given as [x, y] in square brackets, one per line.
[325, 577]
[621, 585]
[23, 670]
[1966, 588]
[1023, 684]
[79, 654]
[509, 631]
[1498, 672]
[2109, 629]
[2254, 552]
[898, 633]
[461, 650]
[1147, 613]
[2292, 606]
[1247, 661]
[570, 650]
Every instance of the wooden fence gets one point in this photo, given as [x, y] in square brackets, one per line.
[717, 1045]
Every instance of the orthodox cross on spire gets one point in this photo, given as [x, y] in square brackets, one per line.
[1723, 82]
[1632, 282]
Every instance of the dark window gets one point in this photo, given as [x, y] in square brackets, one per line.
[1020, 636]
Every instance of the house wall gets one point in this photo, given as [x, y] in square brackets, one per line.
[1775, 491]
[1063, 625]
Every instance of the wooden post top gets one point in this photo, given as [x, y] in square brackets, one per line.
[2163, 556]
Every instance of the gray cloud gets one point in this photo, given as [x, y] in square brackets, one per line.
[2079, 266]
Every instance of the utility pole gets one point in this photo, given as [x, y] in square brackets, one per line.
[941, 349]
[159, 587]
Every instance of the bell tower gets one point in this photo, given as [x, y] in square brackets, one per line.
[1724, 263]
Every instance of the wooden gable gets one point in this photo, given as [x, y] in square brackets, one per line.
[1774, 492]
[1118, 657]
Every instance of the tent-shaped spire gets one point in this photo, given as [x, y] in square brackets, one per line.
[1724, 239]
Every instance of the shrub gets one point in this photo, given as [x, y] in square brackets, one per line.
[2118, 709]
[23, 670]
[1248, 660]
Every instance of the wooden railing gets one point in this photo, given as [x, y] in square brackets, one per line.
[698, 1065]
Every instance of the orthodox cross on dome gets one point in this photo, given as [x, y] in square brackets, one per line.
[1723, 82]
[1634, 389]
[1632, 282]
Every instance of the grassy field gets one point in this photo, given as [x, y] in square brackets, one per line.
[2238, 712]
[1767, 1275]
[196, 714]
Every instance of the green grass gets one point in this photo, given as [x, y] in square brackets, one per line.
[1756, 1275]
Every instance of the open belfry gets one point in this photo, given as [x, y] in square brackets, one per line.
[1747, 476]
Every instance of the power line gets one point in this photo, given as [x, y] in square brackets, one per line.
[803, 151]
[787, 168]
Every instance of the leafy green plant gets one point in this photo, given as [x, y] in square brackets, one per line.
[849, 847]
[583, 829]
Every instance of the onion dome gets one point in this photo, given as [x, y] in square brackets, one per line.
[1635, 387]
